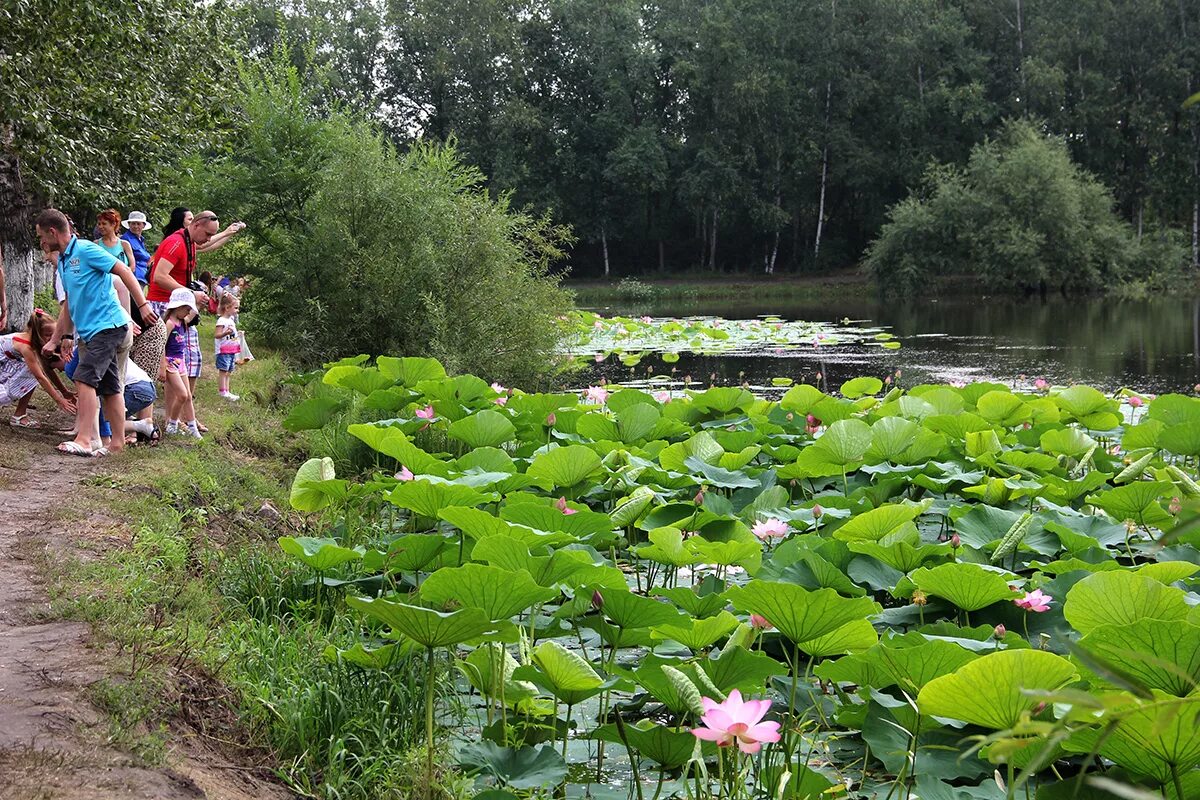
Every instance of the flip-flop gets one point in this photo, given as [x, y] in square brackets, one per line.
[73, 448]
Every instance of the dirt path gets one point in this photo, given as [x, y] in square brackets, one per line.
[52, 739]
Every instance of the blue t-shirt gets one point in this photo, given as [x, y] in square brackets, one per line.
[141, 256]
[85, 269]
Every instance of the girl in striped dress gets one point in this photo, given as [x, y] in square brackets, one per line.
[23, 368]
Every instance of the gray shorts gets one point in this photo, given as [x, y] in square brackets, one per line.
[102, 360]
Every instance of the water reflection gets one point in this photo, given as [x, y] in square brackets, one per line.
[1150, 345]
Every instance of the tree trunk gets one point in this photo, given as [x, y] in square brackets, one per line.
[16, 235]
[702, 227]
[1140, 208]
[821, 203]
[1021, 59]
[604, 246]
[712, 248]
[921, 82]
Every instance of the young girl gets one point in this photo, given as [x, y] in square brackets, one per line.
[180, 309]
[227, 343]
[23, 368]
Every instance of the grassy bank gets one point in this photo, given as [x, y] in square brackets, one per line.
[702, 286]
[179, 573]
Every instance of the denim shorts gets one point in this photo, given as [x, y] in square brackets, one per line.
[225, 361]
[138, 396]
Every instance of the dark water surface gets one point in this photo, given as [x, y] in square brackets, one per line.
[1147, 345]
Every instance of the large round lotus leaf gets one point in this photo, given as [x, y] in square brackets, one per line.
[879, 522]
[484, 428]
[1152, 653]
[857, 387]
[428, 498]
[412, 370]
[1149, 736]
[845, 442]
[799, 614]
[424, 625]
[628, 610]
[565, 466]
[968, 586]
[1121, 598]
[1137, 501]
[562, 673]
[318, 554]
[989, 690]
[500, 593]
[853, 637]
[1174, 409]
[670, 747]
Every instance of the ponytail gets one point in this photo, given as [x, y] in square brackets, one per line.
[37, 320]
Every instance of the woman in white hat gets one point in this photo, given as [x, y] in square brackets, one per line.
[135, 226]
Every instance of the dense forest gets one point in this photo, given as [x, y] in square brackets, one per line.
[760, 134]
[680, 135]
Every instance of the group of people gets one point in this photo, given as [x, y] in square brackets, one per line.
[127, 319]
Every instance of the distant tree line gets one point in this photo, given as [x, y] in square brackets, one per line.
[763, 135]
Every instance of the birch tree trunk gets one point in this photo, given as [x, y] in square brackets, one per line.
[16, 235]
[20, 283]
[712, 248]
[825, 149]
[604, 246]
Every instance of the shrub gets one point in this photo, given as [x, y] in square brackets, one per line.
[1019, 216]
[358, 248]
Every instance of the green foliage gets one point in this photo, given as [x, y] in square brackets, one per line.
[1019, 216]
[361, 249]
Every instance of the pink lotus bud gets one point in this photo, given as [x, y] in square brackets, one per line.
[597, 600]
[1175, 506]
[955, 541]
[1039, 708]
[561, 505]
[760, 623]
[999, 632]
[405, 474]
[887, 381]
[1196, 388]
[1135, 401]
[551, 419]
[1041, 385]
[817, 511]
[699, 498]
[811, 420]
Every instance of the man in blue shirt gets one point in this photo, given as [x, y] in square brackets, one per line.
[135, 226]
[105, 330]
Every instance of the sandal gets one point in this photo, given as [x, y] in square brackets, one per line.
[73, 448]
[200, 426]
[23, 421]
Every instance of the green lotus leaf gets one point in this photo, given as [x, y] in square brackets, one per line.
[666, 547]
[722, 399]
[373, 658]
[702, 446]
[532, 767]
[1182, 439]
[879, 522]
[580, 525]
[485, 428]
[318, 554]
[480, 524]
[801, 399]
[968, 586]
[565, 466]
[562, 673]
[697, 634]
[1148, 737]
[365, 380]
[989, 690]
[857, 387]
[489, 668]
[1091, 407]
[845, 442]
[1070, 442]
[891, 437]
[628, 610]
[486, 459]
[679, 696]
[1174, 409]
[738, 668]
[1138, 501]
[428, 499]
[312, 414]
[500, 593]
[799, 614]
[393, 442]
[1152, 653]
[670, 747]
[1144, 434]
[412, 370]
[629, 509]
[1003, 408]
[890, 664]
[900, 555]
[708, 601]
[853, 637]
[309, 487]
[408, 553]
[424, 625]
[1121, 598]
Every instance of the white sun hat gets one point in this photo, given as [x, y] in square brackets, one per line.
[182, 297]
[136, 216]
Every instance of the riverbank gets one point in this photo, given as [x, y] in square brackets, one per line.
[702, 286]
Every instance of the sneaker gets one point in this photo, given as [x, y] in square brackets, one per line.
[231, 397]
[172, 427]
[192, 431]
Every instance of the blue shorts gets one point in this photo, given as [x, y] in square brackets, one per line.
[138, 396]
[225, 362]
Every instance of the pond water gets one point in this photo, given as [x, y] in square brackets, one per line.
[1149, 345]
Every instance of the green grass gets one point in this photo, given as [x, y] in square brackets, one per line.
[196, 590]
[693, 287]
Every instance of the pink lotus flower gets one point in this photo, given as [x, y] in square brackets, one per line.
[737, 721]
[561, 505]
[699, 498]
[662, 397]
[955, 541]
[647, 320]
[405, 474]
[1036, 600]
[498, 389]
[770, 528]
[598, 358]
[1135, 401]
[1040, 385]
[501, 400]
[1175, 506]
[760, 623]
[551, 419]
[598, 324]
[595, 394]
[426, 413]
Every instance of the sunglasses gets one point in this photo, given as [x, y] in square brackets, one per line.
[206, 219]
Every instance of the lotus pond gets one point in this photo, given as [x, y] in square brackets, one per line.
[858, 590]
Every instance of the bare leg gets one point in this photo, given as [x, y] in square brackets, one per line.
[114, 409]
[87, 420]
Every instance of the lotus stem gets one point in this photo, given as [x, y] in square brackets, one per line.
[429, 725]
